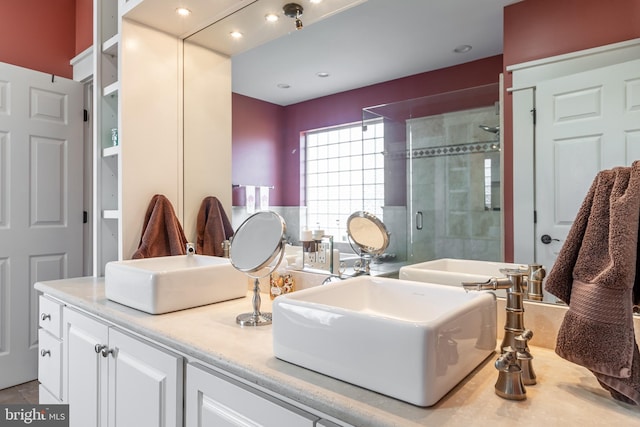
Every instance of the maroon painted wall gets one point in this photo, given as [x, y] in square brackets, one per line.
[341, 108]
[84, 24]
[45, 35]
[39, 35]
[258, 159]
[535, 29]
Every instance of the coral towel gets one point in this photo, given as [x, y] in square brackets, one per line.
[162, 234]
[212, 227]
[595, 274]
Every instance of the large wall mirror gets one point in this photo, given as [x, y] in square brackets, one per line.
[278, 64]
[262, 69]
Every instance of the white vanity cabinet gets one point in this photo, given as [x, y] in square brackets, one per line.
[50, 351]
[214, 399]
[114, 379]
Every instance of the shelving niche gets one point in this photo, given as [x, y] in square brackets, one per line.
[106, 106]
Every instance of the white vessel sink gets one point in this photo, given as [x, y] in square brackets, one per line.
[450, 271]
[408, 340]
[164, 284]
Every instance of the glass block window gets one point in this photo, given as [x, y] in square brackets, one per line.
[344, 173]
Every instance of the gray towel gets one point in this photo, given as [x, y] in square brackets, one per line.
[595, 274]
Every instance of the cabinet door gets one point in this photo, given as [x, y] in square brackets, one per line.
[145, 383]
[212, 399]
[84, 369]
[50, 363]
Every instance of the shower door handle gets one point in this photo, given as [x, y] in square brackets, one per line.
[419, 220]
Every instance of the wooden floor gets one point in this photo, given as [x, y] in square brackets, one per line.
[26, 393]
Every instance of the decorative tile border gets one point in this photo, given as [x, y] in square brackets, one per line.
[447, 150]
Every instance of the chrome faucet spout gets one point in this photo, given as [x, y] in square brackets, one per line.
[492, 284]
[513, 283]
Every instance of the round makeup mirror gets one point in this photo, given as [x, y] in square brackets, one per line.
[256, 249]
[367, 235]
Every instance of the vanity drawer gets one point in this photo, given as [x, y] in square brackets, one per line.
[213, 399]
[50, 316]
[50, 363]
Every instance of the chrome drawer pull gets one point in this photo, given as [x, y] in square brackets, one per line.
[44, 316]
[44, 353]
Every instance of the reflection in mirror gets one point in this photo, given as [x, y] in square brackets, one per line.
[368, 233]
[442, 188]
[367, 236]
[256, 249]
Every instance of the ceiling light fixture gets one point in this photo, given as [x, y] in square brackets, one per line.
[322, 74]
[294, 10]
[236, 34]
[283, 86]
[183, 11]
[464, 48]
[271, 17]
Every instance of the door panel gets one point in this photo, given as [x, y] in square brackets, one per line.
[145, 384]
[587, 122]
[41, 162]
[84, 369]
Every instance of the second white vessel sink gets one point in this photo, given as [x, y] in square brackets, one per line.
[163, 284]
[451, 271]
[408, 340]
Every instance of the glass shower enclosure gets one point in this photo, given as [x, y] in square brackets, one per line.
[442, 175]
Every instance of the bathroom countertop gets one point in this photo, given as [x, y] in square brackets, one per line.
[566, 394]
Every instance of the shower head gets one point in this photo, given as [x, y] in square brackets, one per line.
[491, 129]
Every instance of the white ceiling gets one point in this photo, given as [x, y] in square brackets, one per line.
[367, 42]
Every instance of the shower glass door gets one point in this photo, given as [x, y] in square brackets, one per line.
[442, 175]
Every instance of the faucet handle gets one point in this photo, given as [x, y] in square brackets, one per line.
[514, 271]
[509, 384]
[525, 359]
[527, 334]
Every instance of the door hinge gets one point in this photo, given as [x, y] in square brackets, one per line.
[85, 217]
[533, 115]
[86, 115]
[535, 217]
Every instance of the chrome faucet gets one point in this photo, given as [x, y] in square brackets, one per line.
[514, 284]
[535, 275]
[514, 363]
[509, 384]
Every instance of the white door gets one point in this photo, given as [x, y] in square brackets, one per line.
[40, 204]
[586, 122]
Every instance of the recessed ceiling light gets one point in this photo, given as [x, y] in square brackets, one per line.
[183, 11]
[315, 1]
[272, 17]
[236, 34]
[463, 48]
[322, 74]
[283, 86]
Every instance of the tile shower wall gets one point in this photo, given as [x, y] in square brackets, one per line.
[460, 208]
